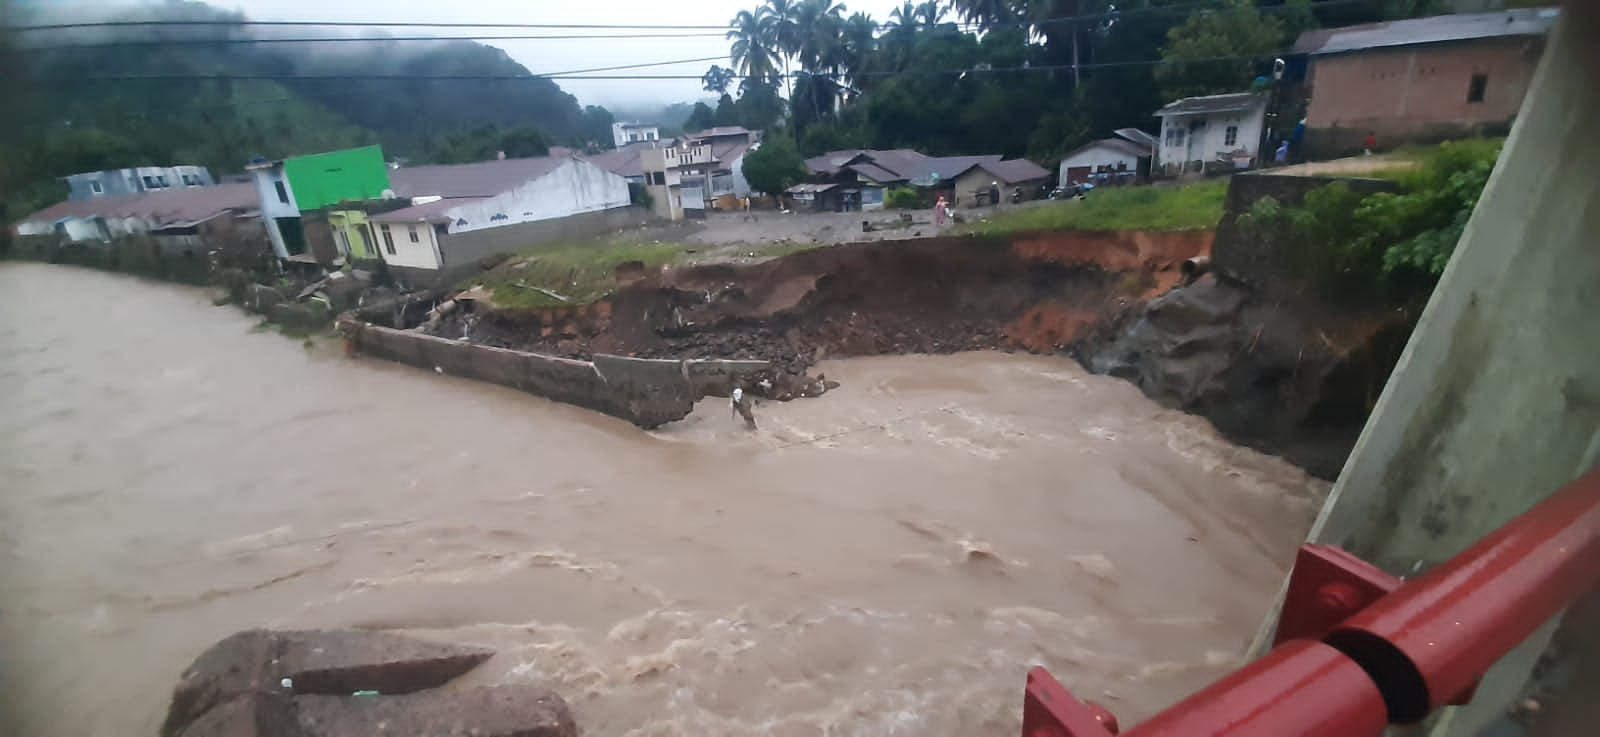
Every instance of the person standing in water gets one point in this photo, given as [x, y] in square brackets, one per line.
[741, 406]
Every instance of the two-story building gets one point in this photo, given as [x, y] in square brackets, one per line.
[1213, 130]
[690, 175]
[290, 188]
[623, 134]
[115, 182]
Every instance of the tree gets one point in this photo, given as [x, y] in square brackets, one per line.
[1238, 32]
[717, 79]
[752, 53]
[783, 29]
[775, 166]
[702, 118]
[759, 105]
[727, 111]
[596, 127]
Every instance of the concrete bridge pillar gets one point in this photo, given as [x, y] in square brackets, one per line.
[1496, 401]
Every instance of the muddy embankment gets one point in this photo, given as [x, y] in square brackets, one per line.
[1236, 341]
[1038, 293]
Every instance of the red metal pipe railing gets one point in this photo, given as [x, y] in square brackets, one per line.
[1359, 650]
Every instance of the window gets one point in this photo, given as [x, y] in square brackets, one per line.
[162, 181]
[1480, 82]
[283, 193]
[1177, 137]
[1232, 136]
[388, 239]
[94, 186]
[413, 231]
[149, 182]
[658, 178]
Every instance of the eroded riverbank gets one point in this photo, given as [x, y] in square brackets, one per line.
[887, 559]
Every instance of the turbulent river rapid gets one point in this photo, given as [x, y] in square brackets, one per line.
[888, 559]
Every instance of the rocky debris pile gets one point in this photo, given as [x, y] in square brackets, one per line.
[347, 683]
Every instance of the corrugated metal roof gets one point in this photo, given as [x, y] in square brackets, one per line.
[172, 206]
[1137, 136]
[1234, 101]
[624, 161]
[1127, 148]
[1015, 171]
[481, 179]
[805, 188]
[876, 173]
[1433, 29]
[432, 212]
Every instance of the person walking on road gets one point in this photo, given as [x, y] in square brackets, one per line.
[1371, 142]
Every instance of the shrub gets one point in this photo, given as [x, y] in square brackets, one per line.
[902, 198]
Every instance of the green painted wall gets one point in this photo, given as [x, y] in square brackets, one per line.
[353, 224]
[320, 180]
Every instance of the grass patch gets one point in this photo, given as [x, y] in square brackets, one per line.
[1191, 207]
[581, 272]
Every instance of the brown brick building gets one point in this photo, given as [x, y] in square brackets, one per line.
[1425, 79]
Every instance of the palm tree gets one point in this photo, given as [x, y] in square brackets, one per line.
[858, 40]
[783, 31]
[817, 25]
[752, 53]
[930, 13]
[986, 13]
[901, 34]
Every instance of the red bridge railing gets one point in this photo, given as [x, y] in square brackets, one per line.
[1357, 649]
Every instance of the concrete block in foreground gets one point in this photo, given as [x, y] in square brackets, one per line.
[497, 711]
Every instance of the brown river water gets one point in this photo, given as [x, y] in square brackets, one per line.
[885, 560]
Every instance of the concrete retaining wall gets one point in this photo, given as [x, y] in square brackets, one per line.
[646, 392]
[462, 250]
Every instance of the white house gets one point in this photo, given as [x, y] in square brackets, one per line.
[623, 134]
[1119, 156]
[279, 213]
[1198, 130]
[462, 213]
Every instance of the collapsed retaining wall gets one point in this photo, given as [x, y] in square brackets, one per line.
[647, 392]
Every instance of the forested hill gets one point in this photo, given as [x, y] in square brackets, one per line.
[58, 124]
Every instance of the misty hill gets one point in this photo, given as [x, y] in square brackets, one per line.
[58, 124]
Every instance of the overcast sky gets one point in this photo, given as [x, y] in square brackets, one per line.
[552, 56]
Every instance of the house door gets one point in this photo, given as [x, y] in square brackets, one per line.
[1077, 174]
[1192, 151]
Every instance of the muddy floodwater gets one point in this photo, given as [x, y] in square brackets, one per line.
[885, 560]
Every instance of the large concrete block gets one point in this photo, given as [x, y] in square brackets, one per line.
[501, 711]
[320, 662]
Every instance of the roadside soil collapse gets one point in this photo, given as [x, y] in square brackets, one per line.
[1293, 378]
[1038, 293]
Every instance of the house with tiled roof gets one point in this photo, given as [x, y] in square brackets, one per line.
[864, 174]
[1421, 79]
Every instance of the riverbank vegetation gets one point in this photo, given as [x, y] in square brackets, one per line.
[1352, 242]
[570, 274]
[1189, 207]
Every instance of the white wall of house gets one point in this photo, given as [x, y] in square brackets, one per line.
[35, 227]
[1178, 144]
[273, 206]
[572, 188]
[1098, 156]
[83, 229]
[423, 253]
[741, 186]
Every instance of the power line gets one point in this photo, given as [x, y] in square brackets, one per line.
[356, 39]
[1113, 14]
[588, 73]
